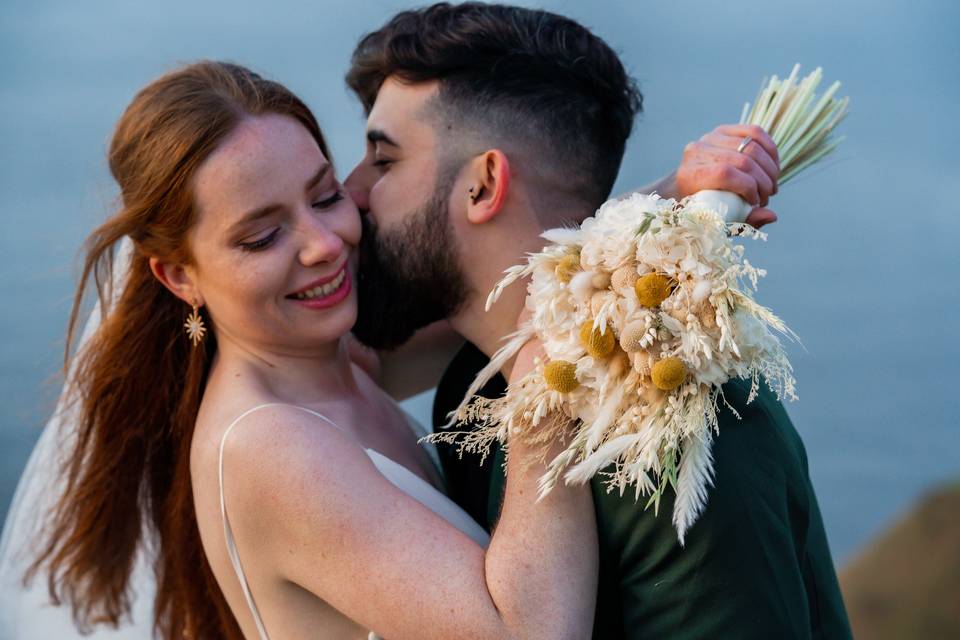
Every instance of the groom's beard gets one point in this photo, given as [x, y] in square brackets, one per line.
[409, 277]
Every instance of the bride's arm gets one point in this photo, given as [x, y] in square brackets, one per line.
[713, 162]
[312, 506]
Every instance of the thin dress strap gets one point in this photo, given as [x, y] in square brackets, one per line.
[228, 531]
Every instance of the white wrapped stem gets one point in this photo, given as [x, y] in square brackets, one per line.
[732, 207]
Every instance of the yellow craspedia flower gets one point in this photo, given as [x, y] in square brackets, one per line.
[568, 265]
[652, 289]
[599, 345]
[561, 376]
[668, 374]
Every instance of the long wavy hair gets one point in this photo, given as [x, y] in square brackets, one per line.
[138, 380]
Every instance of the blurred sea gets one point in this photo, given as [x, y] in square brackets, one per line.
[863, 264]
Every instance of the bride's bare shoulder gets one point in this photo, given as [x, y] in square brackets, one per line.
[264, 431]
[291, 436]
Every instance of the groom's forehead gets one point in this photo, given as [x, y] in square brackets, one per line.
[399, 110]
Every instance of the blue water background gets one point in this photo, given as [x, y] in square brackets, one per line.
[863, 263]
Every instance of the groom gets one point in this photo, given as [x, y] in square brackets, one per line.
[486, 125]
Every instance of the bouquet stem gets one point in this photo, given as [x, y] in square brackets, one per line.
[800, 124]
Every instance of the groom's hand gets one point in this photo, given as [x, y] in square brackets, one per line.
[713, 162]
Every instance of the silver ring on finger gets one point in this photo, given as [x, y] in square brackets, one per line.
[744, 143]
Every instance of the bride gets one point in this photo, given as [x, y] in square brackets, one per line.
[222, 423]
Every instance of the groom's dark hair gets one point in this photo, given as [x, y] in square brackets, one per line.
[527, 75]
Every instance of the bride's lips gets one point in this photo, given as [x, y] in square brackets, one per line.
[321, 300]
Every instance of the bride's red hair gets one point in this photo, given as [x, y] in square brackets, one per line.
[138, 380]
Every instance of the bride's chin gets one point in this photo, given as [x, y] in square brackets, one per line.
[306, 330]
[336, 327]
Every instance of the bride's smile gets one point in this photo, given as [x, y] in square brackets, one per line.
[325, 292]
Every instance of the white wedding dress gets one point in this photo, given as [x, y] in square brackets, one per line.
[26, 612]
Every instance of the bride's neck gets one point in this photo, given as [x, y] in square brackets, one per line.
[320, 373]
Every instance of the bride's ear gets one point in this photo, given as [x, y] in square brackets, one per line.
[489, 186]
[177, 279]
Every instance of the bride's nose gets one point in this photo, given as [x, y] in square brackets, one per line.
[319, 243]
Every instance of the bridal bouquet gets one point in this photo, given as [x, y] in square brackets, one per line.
[644, 312]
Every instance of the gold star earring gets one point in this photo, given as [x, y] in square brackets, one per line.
[194, 326]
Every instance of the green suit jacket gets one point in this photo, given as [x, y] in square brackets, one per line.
[756, 564]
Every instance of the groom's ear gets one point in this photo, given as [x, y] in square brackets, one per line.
[489, 185]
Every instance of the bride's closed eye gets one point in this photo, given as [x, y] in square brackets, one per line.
[260, 243]
[326, 203]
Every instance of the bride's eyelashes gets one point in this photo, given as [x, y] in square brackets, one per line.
[329, 202]
[382, 164]
[262, 243]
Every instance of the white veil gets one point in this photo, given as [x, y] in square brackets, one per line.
[26, 612]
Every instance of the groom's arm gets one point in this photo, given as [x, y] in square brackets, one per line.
[755, 565]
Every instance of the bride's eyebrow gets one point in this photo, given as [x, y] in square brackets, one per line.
[253, 216]
[379, 135]
[317, 177]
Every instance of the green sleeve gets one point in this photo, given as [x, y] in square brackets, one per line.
[755, 565]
